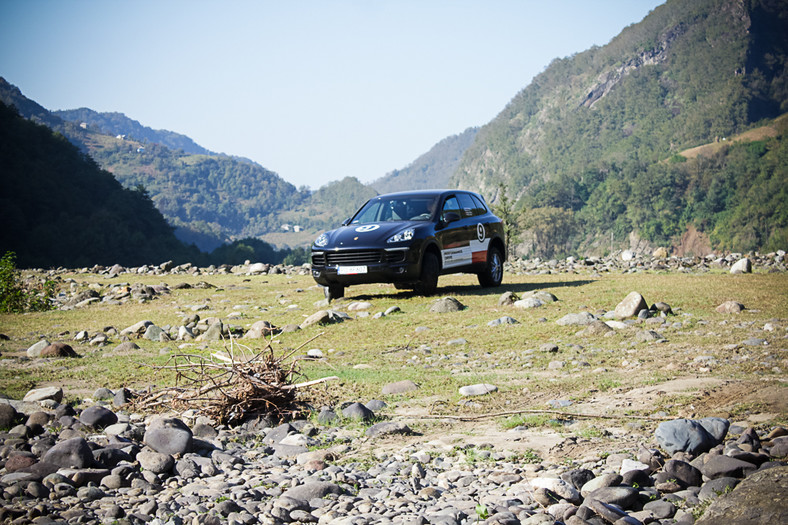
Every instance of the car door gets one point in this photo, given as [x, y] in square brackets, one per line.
[454, 236]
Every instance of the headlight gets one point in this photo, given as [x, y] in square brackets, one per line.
[404, 235]
[322, 240]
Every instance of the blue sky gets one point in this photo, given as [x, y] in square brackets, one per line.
[313, 90]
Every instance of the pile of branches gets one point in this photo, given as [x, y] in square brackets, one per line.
[232, 386]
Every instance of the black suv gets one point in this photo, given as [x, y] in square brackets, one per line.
[409, 239]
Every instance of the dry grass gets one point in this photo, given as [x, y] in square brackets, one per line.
[368, 353]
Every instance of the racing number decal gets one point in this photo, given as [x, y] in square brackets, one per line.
[480, 232]
[367, 228]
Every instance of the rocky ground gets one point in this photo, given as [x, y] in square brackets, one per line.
[353, 463]
[108, 465]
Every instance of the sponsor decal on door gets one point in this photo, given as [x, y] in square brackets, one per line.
[470, 252]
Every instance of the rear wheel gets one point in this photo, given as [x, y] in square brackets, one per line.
[492, 275]
[334, 291]
[430, 270]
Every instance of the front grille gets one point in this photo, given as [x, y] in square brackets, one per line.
[319, 259]
[354, 257]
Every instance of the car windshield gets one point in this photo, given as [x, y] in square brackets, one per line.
[400, 208]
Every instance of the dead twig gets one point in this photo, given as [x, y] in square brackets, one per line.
[538, 411]
[232, 386]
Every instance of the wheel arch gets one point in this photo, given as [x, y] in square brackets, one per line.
[497, 242]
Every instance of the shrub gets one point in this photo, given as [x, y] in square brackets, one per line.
[17, 296]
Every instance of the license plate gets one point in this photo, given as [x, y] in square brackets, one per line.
[350, 270]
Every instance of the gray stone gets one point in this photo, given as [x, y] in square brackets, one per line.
[37, 395]
[683, 472]
[716, 426]
[400, 387]
[35, 350]
[8, 415]
[156, 462]
[623, 497]
[386, 428]
[507, 299]
[758, 499]
[71, 453]
[730, 307]
[720, 466]
[275, 435]
[684, 435]
[446, 304]
[102, 394]
[742, 266]
[528, 302]
[630, 306]
[168, 436]
[596, 328]
[125, 347]
[137, 328]
[503, 320]
[477, 389]
[578, 319]
[375, 405]
[98, 416]
[716, 487]
[661, 509]
[645, 336]
[326, 416]
[358, 411]
[312, 490]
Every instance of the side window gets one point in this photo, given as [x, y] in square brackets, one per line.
[467, 206]
[451, 205]
[481, 209]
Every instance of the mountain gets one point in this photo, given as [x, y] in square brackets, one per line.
[209, 198]
[58, 208]
[592, 146]
[432, 169]
[119, 124]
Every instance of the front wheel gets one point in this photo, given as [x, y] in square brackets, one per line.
[492, 275]
[333, 291]
[430, 270]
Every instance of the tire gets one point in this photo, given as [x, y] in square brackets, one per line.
[333, 291]
[430, 270]
[492, 275]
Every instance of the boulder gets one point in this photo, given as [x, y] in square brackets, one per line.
[168, 436]
[58, 350]
[684, 435]
[760, 498]
[36, 395]
[630, 306]
[446, 304]
[400, 387]
[71, 453]
[730, 307]
[35, 350]
[742, 266]
[98, 416]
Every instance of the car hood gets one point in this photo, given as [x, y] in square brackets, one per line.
[363, 235]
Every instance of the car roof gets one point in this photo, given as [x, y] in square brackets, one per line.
[426, 193]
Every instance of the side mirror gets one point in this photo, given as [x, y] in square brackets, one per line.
[450, 217]
[346, 222]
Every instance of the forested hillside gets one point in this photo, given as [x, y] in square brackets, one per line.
[58, 208]
[431, 170]
[592, 145]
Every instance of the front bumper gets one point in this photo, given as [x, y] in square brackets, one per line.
[363, 266]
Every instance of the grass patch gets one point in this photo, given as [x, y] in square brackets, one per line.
[367, 353]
